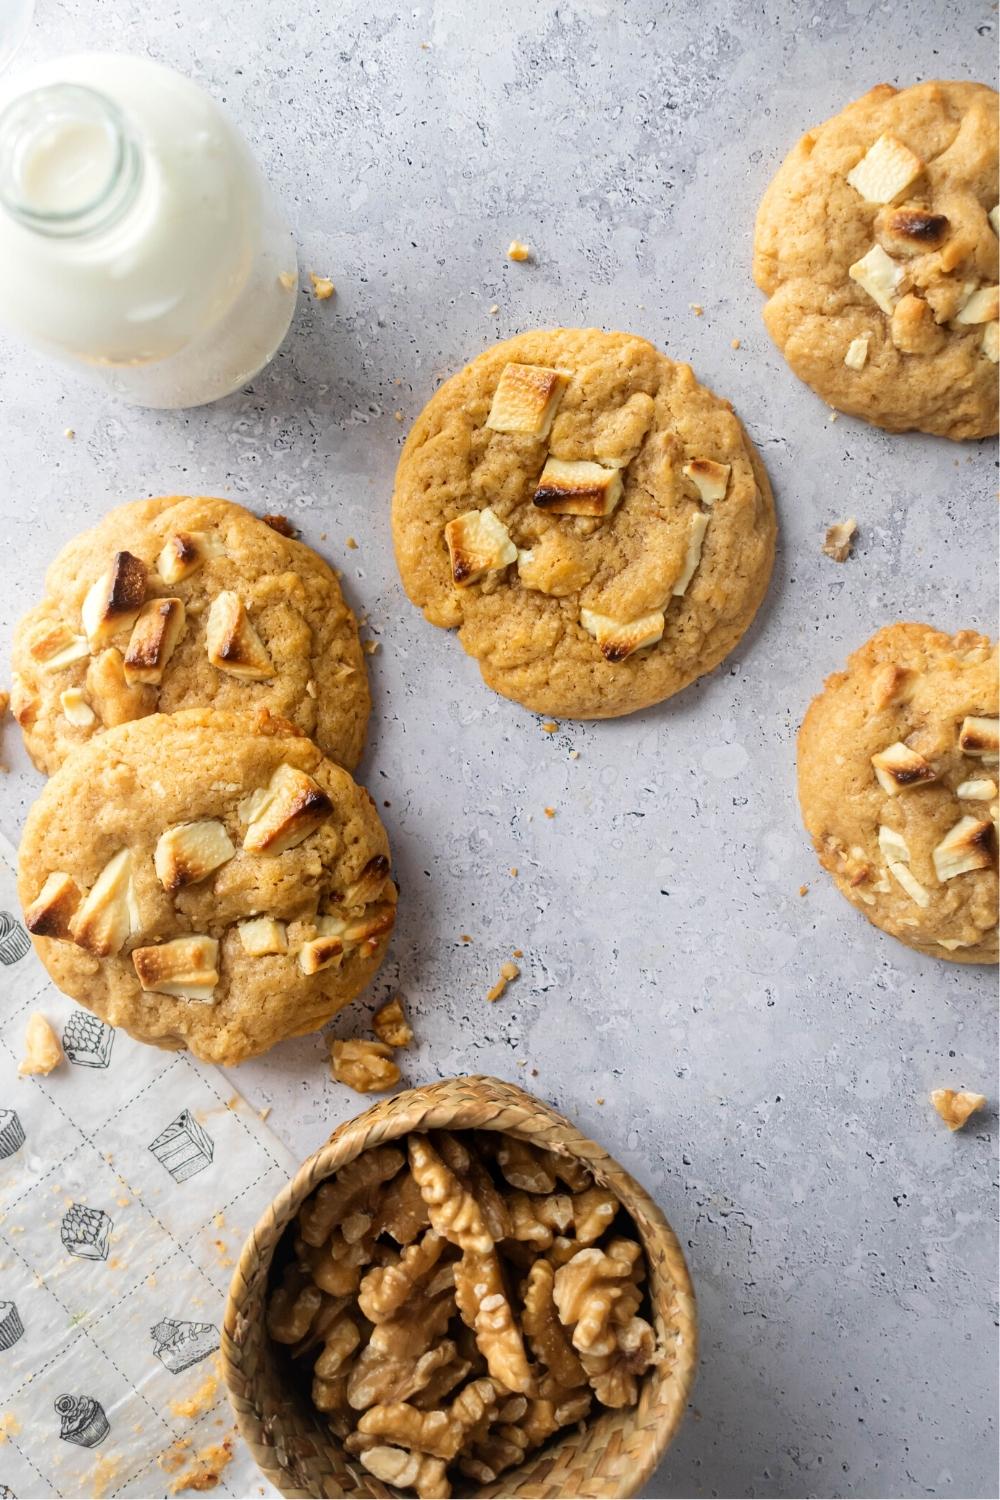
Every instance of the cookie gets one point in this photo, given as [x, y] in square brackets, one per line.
[185, 602]
[207, 880]
[876, 244]
[898, 787]
[595, 524]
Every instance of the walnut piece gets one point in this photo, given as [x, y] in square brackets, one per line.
[955, 1108]
[839, 539]
[366, 1067]
[391, 1026]
[42, 1051]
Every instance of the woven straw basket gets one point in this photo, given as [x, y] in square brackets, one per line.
[613, 1455]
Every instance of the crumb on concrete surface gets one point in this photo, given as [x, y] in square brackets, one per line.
[508, 972]
[518, 251]
[42, 1052]
[955, 1107]
[803, 890]
[549, 726]
[281, 524]
[550, 812]
[697, 309]
[351, 543]
[323, 287]
[839, 539]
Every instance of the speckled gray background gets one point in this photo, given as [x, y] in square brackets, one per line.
[764, 1059]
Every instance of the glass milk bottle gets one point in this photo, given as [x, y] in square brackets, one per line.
[137, 237]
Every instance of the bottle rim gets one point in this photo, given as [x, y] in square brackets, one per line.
[24, 123]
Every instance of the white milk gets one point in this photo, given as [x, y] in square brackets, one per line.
[137, 235]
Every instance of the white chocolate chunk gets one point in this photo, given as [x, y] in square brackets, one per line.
[188, 852]
[967, 846]
[360, 931]
[108, 914]
[991, 341]
[262, 936]
[232, 643]
[620, 638]
[980, 736]
[153, 640]
[893, 845]
[114, 601]
[76, 709]
[857, 352]
[886, 170]
[185, 552]
[898, 768]
[697, 526]
[293, 807]
[56, 647]
[977, 790]
[53, 909]
[186, 967]
[526, 399]
[710, 479]
[982, 307]
[478, 543]
[878, 275]
[578, 488]
[994, 218]
[320, 952]
[911, 885]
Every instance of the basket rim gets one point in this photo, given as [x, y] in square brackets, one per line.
[439, 1106]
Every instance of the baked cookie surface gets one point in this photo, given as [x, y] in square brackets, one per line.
[898, 778]
[596, 524]
[876, 243]
[207, 880]
[187, 601]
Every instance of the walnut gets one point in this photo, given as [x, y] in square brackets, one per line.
[367, 1067]
[453, 1209]
[355, 1183]
[391, 1026]
[956, 1108]
[483, 1303]
[386, 1288]
[408, 1471]
[549, 1341]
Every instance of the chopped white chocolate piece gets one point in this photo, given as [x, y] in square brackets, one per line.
[153, 640]
[878, 275]
[292, 807]
[893, 845]
[320, 952]
[76, 709]
[478, 543]
[619, 638]
[886, 170]
[262, 936]
[53, 909]
[982, 307]
[108, 914]
[56, 647]
[980, 789]
[710, 479]
[980, 736]
[578, 488]
[911, 885]
[369, 884]
[188, 852]
[186, 967]
[114, 601]
[994, 218]
[991, 341]
[358, 932]
[697, 526]
[955, 1107]
[232, 643]
[526, 399]
[185, 552]
[857, 352]
[967, 846]
[42, 1051]
[839, 539]
[898, 768]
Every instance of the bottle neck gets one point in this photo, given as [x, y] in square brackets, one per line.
[69, 164]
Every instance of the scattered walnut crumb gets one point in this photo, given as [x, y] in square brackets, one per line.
[70, 432]
[518, 952]
[366, 1067]
[840, 539]
[508, 972]
[599, 1099]
[281, 524]
[697, 309]
[735, 344]
[323, 287]
[397, 416]
[351, 543]
[206, 1468]
[803, 890]
[517, 251]
[955, 1108]
[287, 279]
[549, 726]
[550, 812]
[513, 871]
[391, 1026]
[42, 1051]
[199, 1402]
[494, 310]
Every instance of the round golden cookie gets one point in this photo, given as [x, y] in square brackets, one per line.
[898, 787]
[876, 244]
[180, 602]
[596, 524]
[207, 880]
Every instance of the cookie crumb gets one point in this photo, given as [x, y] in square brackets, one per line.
[323, 287]
[840, 539]
[351, 544]
[262, 1114]
[494, 310]
[518, 952]
[833, 416]
[550, 812]
[803, 890]
[42, 1051]
[465, 937]
[550, 726]
[513, 871]
[517, 251]
[287, 279]
[956, 1107]
[281, 524]
[599, 1099]
[508, 972]
[697, 309]
[70, 432]
[574, 755]
[735, 344]
[369, 647]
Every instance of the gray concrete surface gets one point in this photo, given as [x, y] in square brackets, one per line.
[763, 1059]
